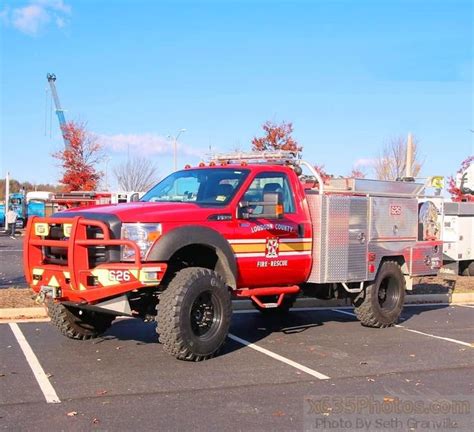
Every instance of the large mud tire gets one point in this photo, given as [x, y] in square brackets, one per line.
[468, 270]
[77, 323]
[381, 302]
[194, 314]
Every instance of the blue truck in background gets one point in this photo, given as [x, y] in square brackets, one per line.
[18, 202]
[26, 206]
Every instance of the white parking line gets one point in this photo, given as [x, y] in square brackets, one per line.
[465, 305]
[278, 357]
[418, 332]
[43, 381]
[437, 337]
[331, 308]
[344, 312]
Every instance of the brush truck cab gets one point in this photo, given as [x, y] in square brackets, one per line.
[244, 226]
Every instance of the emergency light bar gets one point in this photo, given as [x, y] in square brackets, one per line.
[280, 156]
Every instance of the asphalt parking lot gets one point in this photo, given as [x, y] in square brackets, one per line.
[11, 262]
[271, 375]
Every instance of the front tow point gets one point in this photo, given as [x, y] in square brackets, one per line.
[46, 292]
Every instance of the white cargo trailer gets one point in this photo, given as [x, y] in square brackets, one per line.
[458, 237]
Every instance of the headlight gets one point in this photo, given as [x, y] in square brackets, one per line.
[142, 234]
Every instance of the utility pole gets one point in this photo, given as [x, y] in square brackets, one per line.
[409, 155]
[7, 190]
[107, 160]
[7, 198]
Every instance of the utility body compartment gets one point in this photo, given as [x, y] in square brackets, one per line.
[355, 229]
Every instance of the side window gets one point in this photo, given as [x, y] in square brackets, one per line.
[270, 182]
[186, 188]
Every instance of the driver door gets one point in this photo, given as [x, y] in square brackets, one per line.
[271, 251]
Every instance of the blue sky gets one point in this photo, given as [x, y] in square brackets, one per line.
[350, 75]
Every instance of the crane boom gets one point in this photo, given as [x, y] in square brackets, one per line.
[59, 111]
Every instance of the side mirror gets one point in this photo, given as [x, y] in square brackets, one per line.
[270, 208]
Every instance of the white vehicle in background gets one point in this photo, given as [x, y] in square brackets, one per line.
[39, 195]
[458, 237]
[125, 197]
[458, 227]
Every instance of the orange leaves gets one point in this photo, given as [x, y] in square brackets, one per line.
[79, 159]
[322, 172]
[455, 191]
[357, 173]
[277, 137]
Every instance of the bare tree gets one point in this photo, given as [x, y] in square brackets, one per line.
[136, 174]
[391, 164]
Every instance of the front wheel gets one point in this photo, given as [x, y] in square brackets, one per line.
[76, 323]
[381, 302]
[194, 314]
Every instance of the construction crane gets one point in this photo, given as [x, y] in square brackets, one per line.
[59, 111]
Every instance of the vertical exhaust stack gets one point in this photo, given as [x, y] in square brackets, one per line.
[409, 159]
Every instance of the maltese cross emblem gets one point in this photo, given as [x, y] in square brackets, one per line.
[272, 248]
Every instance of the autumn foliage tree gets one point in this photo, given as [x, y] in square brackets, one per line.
[80, 158]
[357, 173]
[277, 137]
[456, 193]
[325, 176]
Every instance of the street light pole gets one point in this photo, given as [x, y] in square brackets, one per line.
[107, 160]
[175, 148]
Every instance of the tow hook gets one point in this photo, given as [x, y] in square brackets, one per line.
[47, 292]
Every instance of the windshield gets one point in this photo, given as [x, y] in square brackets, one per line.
[213, 186]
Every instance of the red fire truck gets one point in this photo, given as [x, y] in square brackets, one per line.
[262, 226]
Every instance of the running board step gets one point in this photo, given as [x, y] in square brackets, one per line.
[270, 305]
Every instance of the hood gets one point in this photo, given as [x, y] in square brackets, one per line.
[150, 212]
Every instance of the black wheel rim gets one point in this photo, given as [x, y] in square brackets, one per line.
[388, 293]
[206, 315]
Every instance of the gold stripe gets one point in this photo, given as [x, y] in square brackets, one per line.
[251, 247]
[261, 247]
[297, 247]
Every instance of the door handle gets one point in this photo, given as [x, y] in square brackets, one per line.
[300, 230]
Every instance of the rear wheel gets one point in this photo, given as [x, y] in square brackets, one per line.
[78, 323]
[381, 302]
[469, 269]
[194, 314]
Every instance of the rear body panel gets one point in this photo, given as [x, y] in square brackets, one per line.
[352, 234]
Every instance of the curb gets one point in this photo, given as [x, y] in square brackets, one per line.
[23, 313]
[460, 298]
